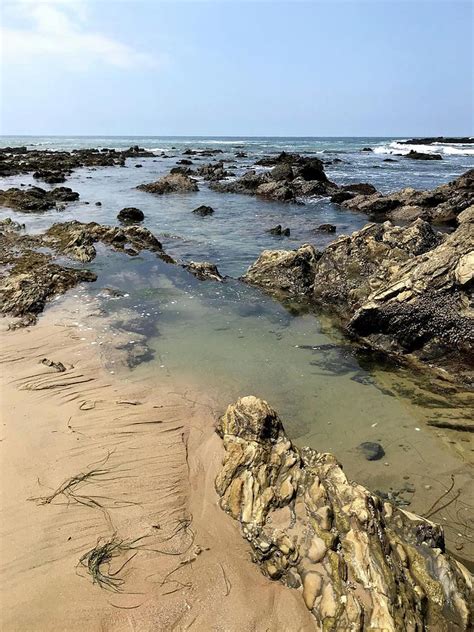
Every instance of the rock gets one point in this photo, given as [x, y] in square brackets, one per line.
[204, 270]
[98, 203]
[76, 240]
[367, 149]
[327, 228]
[441, 205]
[402, 291]
[352, 266]
[172, 183]
[389, 160]
[51, 177]
[418, 155]
[281, 271]
[434, 140]
[185, 171]
[360, 563]
[184, 161]
[293, 176]
[278, 230]
[204, 210]
[360, 187]
[130, 214]
[371, 450]
[213, 172]
[341, 196]
[36, 200]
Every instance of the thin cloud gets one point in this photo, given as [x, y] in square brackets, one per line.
[59, 29]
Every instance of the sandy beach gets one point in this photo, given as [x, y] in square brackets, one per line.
[90, 461]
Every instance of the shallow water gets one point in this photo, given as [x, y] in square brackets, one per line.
[230, 340]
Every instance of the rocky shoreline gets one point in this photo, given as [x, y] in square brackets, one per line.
[358, 562]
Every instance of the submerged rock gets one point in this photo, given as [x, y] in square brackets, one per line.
[371, 450]
[172, 183]
[327, 228]
[204, 210]
[419, 155]
[279, 231]
[441, 205]
[35, 199]
[203, 270]
[358, 562]
[131, 214]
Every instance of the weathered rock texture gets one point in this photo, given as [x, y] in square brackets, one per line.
[441, 205]
[284, 271]
[360, 563]
[76, 240]
[406, 291]
[203, 270]
[292, 177]
[37, 200]
[172, 183]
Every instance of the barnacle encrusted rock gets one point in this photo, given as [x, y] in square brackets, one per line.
[361, 564]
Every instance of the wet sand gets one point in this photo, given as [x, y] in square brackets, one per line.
[144, 457]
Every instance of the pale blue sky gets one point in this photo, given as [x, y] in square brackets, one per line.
[315, 68]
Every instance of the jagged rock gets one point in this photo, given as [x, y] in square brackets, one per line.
[204, 210]
[213, 171]
[359, 563]
[76, 239]
[424, 306]
[353, 266]
[184, 161]
[131, 214]
[279, 231]
[293, 176]
[204, 270]
[172, 183]
[36, 200]
[441, 205]
[184, 171]
[284, 271]
[418, 155]
[360, 187]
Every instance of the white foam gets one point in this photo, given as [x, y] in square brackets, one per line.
[448, 149]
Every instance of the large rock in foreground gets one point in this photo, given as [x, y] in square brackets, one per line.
[359, 563]
[406, 291]
[36, 199]
[441, 205]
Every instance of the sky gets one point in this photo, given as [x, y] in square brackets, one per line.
[248, 68]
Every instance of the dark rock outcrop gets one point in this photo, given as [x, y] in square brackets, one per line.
[204, 210]
[418, 155]
[35, 199]
[326, 228]
[441, 205]
[213, 172]
[172, 183]
[359, 563]
[279, 231]
[130, 215]
[432, 140]
[292, 177]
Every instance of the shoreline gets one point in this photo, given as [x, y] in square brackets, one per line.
[85, 420]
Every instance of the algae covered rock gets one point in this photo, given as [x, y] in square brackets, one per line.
[360, 563]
